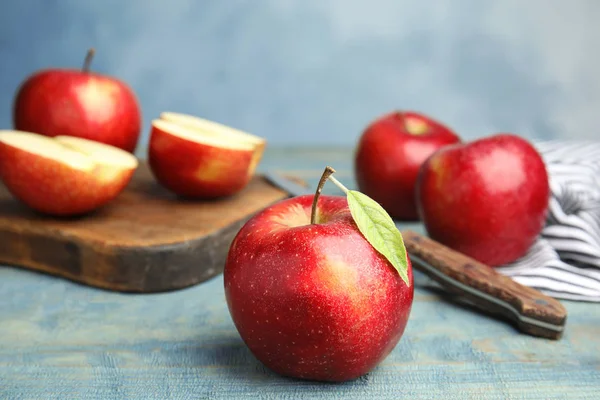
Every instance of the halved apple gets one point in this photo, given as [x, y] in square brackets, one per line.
[64, 175]
[198, 158]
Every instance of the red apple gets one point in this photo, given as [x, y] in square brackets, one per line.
[206, 162]
[78, 103]
[389, 154]
[487, 198]
[314, 301]
[62, 176]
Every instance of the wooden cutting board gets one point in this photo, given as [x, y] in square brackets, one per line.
[146, 240]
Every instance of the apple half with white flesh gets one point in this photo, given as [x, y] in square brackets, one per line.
[64, 175]
[197, 158]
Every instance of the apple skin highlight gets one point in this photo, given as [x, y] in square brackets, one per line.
[314, 301]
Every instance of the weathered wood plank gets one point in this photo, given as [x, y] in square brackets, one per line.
[67, 341]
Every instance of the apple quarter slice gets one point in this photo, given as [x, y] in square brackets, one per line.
[63, 175]
[200, 164]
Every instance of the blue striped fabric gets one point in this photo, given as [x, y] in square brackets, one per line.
[565, 260]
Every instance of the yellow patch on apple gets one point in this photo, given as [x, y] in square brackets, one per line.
[341, 279]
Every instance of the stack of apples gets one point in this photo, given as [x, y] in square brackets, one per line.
[75, 133]
[487, 198]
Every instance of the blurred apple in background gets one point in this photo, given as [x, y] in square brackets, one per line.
[201, 159]
[78, 103]
[62, 176]
[487, 198]
[389, 154]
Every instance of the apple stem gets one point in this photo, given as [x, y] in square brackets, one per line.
[339, 184]
[88, 59]
[326, 174]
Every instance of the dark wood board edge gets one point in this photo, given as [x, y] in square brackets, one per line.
[136, 269]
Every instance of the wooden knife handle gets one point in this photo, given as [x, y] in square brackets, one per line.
[533, 312]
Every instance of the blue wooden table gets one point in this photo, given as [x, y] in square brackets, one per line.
[61, 340]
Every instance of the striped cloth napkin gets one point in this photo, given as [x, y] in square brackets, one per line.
[564, 262]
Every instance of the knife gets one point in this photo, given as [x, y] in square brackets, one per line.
[474, 283]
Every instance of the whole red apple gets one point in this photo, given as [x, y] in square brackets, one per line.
[487, 198]
[78, 103]
[314, 301]
[389, 154]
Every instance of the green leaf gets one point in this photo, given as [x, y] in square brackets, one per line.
[379, 229]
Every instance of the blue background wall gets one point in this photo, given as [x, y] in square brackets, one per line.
[316, 71]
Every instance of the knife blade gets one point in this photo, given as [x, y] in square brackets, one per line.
[475, 283]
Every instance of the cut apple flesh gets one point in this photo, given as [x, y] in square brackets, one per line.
[212, 128]
[201, 136]
[100, 153]
[77, 153]
[46, 147]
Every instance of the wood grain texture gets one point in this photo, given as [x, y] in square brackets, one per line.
[527, 302]
[147, 240]
[61, 340]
